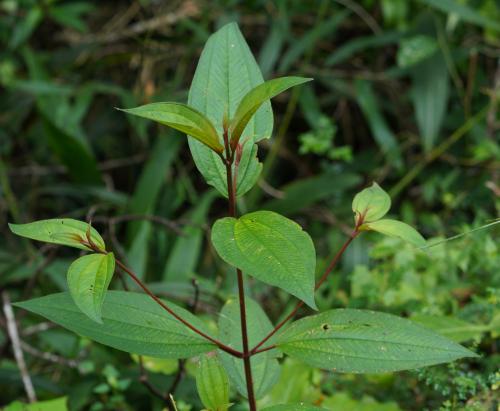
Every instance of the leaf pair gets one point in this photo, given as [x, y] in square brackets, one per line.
[195, 124]
[370, 205]
[88, 276]
[227, 84]
[342, 340]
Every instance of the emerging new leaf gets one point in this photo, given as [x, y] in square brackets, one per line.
[88, 281]
[265, 367]
[63, 231]
[212, 383]
[131, 322]
[362, 341]
[183, 118]
[371, 204]
[226, 72]
[255, 98]
[271, 248]
[398, 229]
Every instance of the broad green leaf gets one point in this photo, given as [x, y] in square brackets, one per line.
[466, 13]
[371, 204]
[398, 229]
[212, 383]
[451, 327]
[430, 94]
[293, 407]
[64, 231]
[265, 367]
[183, 118]
[254, 99]
[271, 248]
[382, 134]
[362, 341]
[226, 72]
[58, 404]
[131, 322]
[88, 281]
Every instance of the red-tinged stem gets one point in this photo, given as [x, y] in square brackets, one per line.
[219, 344]
[231, 191]
[91, 245]
[333, 263]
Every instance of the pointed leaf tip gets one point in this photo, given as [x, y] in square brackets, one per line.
[252, 101]
[62, 231]
[183, 118]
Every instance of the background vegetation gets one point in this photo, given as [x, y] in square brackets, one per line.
[405, 94]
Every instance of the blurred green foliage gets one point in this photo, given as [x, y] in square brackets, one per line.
[405, 93]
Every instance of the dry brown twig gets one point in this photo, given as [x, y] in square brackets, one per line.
[16, 347]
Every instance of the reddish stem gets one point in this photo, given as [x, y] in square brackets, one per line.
[219, 344]
[333, 263]
[231, 191]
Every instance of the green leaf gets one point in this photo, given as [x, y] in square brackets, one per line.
[382, 134]
[88, 281]
[58, 404]
[398, 229]
[430, 94]
[25, 27]
[151, 180]
[416, 49]
[183, 118]
[371, 204]
[293, 407]
[450, 327]
[265, 367]
[212, 383]
[362, 341]
[466, 13]
[254, 99]
[226, 72]
[271, 248]
[63, 231]
[131, 322]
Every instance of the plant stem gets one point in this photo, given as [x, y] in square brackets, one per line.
[323, 278]
[231, 192]
[219, 344]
